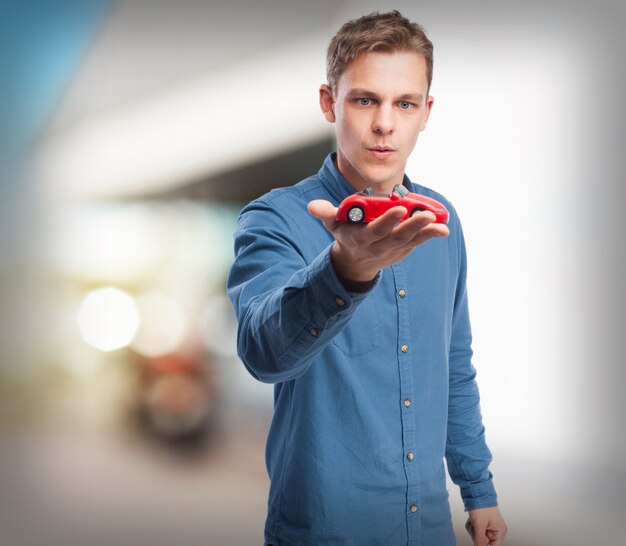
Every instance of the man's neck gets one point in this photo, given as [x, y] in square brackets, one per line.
[359, 183]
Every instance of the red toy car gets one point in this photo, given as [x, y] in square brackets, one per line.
[366, 206]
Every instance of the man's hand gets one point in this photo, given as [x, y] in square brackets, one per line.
[360, 251]
[486, 526]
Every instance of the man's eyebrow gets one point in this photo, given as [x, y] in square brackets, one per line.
[413, 97]
[358, 92]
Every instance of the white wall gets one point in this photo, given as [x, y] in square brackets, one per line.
[502, 146]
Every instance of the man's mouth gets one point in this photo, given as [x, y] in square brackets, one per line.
[381, 152]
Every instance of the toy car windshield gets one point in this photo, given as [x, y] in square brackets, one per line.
[400, 190]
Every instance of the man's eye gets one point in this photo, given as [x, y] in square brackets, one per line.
[405, 105]
[364, 102]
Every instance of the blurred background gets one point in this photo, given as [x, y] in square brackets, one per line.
[132, 133]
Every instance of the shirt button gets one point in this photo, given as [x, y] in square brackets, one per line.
[410, 456]
[404, 348]
[402, 293]
[407, 403]
[314, 332]
[413, 508]
[340, 301]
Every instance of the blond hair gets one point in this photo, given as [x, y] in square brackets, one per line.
[376, 32]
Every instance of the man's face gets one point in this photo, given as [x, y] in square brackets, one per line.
[380, 105]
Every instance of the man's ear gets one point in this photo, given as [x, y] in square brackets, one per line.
[327, 103]
[429, 106]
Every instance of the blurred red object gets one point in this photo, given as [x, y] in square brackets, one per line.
[178, 396]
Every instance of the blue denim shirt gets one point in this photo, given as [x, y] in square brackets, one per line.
[372, 390]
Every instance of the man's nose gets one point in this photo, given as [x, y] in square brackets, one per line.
[383, 120]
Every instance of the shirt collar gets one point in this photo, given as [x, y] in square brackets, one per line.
[337, 185]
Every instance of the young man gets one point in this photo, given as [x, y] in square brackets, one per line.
[364, 329]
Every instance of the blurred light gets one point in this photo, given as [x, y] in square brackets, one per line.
[106, 243]
[108, 319]
[163, 325]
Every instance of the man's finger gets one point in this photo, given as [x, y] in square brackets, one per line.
[322, 209]
[382, 226]
[495, 537]
[479, 534]
[414, 225]
[325, 211]
[424, 217]
[428, 232]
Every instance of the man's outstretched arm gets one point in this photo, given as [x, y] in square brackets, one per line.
[286, 308]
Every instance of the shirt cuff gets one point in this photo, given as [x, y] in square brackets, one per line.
[329, 290]
[482, 495]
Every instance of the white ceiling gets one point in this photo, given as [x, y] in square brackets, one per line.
[145, 47]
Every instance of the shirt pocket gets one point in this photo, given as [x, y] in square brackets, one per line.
[362, 334]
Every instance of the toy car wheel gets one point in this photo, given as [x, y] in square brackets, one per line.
[416, 210]
[355, 215]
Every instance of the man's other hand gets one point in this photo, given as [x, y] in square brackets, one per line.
[486, 526]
